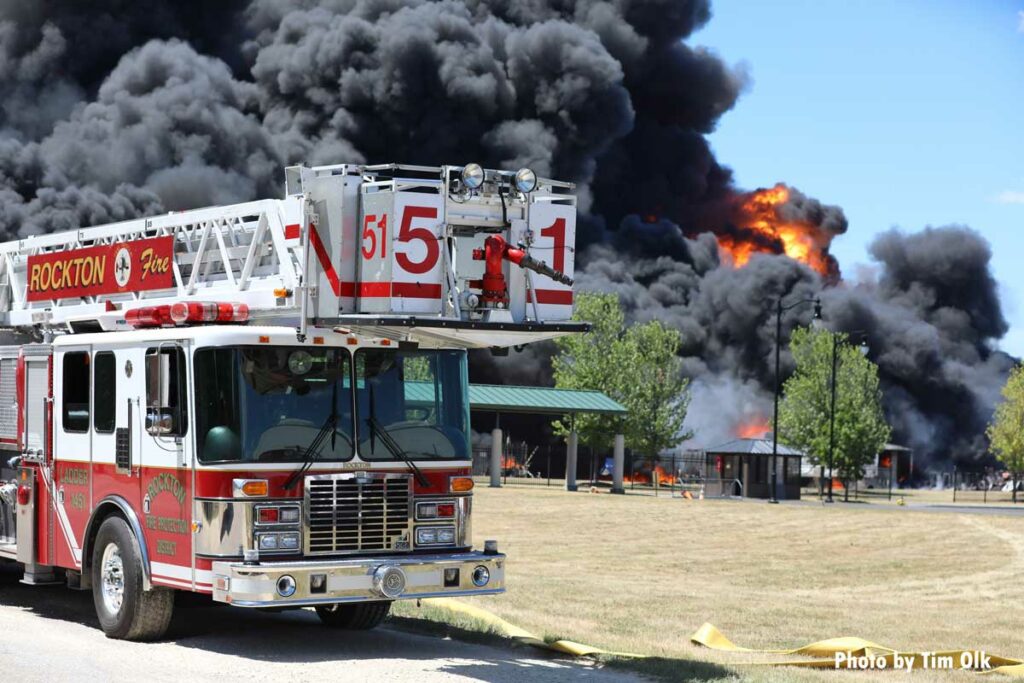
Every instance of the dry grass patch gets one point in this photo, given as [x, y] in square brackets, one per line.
[640, 574]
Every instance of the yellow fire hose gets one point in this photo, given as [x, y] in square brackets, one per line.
[826, 654]
[512, 631]
[823, 654]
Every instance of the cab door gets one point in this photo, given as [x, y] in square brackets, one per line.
[116, 424]
[68, 475]
[165, 458]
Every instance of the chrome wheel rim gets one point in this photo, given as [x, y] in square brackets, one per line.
[112, 578]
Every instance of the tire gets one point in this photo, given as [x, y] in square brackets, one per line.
[125, 610]
[360, 616]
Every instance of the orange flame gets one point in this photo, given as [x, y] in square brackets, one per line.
[753, 429]
[762, 229]
[663, 477]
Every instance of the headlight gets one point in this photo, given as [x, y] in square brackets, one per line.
[435, 535]
[473, 176]
[280, 541]
[526, 180]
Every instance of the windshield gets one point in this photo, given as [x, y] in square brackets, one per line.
[267, 403]
[419, 398]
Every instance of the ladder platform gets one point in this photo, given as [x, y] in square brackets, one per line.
[448, 332]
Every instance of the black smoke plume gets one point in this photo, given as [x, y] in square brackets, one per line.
[115, 109]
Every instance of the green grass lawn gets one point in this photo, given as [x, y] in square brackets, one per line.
[637, 573]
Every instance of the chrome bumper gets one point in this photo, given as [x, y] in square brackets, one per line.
[354, 580]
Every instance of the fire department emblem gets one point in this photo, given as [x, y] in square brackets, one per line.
[122, 267]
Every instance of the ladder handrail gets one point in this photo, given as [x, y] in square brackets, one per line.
[233, 252]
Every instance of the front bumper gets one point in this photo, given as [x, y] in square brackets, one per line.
[353, 580]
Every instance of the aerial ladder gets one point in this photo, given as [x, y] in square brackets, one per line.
[451, 255]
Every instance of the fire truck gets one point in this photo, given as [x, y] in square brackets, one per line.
[267, 402]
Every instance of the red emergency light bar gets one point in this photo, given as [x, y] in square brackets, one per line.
[184, 313]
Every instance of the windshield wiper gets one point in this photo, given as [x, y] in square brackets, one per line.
[396, 450]
[312, 452]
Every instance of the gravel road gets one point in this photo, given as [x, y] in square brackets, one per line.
[51, 634]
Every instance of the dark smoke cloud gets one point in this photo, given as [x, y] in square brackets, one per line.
[173, 121]
[932, 317]
[117, 109]
[96, 35]
[169, 129]
[386, 82]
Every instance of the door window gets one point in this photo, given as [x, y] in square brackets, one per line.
[76, 391]
[105, 394]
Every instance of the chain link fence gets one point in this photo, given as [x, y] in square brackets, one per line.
[689, 475]
[683, 475]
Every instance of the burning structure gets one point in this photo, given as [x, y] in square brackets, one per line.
[768, 221]
[120, 109]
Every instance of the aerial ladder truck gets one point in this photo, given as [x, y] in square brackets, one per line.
[267, 402]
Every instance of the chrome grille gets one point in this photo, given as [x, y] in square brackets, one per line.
[357, 512]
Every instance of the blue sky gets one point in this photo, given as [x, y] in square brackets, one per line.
[906, 114]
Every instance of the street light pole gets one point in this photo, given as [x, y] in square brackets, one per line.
[832, 416]
[832, 409]
[775, 417]
[779, 310]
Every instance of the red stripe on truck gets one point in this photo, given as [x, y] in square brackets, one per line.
[551, 296]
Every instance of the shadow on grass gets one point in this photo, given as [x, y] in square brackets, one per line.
[669, 669]
[662, 668]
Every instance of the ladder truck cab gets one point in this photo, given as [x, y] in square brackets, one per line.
[267, 402]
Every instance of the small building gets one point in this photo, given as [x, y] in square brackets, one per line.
[742, 467]
[893, 467]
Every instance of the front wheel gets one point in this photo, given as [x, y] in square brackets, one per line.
[360, 616]
[125, 610]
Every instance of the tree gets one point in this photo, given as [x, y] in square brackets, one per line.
[636, 365]
[1006, 431]
[654, 390]
[591, 361]
[805, 411]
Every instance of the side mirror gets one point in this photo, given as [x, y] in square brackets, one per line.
[158, 378]
[159, 422]
[161, 419]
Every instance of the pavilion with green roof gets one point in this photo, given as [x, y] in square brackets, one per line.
[500, 399]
